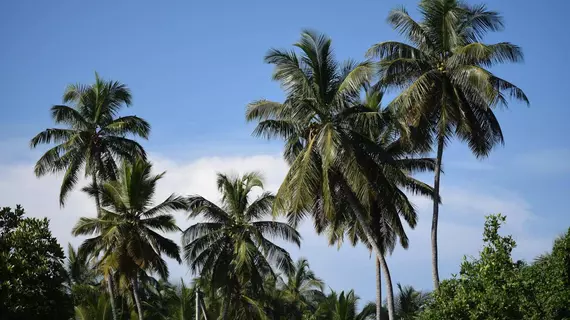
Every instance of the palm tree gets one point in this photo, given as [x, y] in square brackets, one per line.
[93, 137]
[83, 276]
[390, 204]
[323, 149]
[126, 233]
[302, 289]
[99, 309]
[330, 139]
[409, 302]
[446, 86]
[231, 248]
[343, 306]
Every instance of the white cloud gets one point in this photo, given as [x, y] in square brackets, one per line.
[461, 222]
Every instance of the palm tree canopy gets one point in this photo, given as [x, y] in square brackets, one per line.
[128, 231]
[409, 302]
[390, 205]
[301, 290]
[442, 71]
[343, 306]
[316, 122]
[231, 247]
[93, 135]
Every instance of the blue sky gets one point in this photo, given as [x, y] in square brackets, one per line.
[194, 65]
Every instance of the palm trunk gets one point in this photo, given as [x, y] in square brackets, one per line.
[435, 217]
[225, 309]
[112, 297]
[136, 295]
[378, 291]
[355, 204]
[197, 304]
[389, 288]
[97, 200]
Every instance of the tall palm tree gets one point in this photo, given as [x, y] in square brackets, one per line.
[330, 138]
[302, 289]
[390, 204]
[231, 248]
[127, 231]
[343, 306]
[446, 86]
[93, 135]
[323, 150]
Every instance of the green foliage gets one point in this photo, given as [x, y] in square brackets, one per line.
[549, 277]
[342, 306]
[490, 287]
[32, 275]
[231, 248]
[93, 136]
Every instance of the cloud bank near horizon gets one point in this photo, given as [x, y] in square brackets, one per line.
[460, 228]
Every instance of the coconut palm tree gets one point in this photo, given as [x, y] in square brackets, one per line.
[446, 86]
[302, 289]
[83, 276]
[390, 205]
[127, 233]
[330, 139]
[93, 135]
[322, 148]
[342, 306]
[409, 302]
[231, 248]
[99, 309]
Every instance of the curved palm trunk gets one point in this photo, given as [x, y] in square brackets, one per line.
[97, 200]
[137, 300]
[355, 204]
[378, 291]
[435, 217]
[389, 288]
[112, 297]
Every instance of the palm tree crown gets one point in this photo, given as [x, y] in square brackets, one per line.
[94, 135]
[128, 229]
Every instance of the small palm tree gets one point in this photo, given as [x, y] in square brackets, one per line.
[93, 137]
[302, 289]
[343, 306]
[99, 309]
[447, 90]
[83, 276]
[231, 248]
[127, 231]
[409, 302]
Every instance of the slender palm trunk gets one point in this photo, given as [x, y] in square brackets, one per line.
[435, 217]
[225, 309]
[378, 291]
[134, 286]
[112, 297]
[97, 200]
[389, 288]
[197, 304]
[360, 217]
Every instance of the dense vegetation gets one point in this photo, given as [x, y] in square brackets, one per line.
[351, 161]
